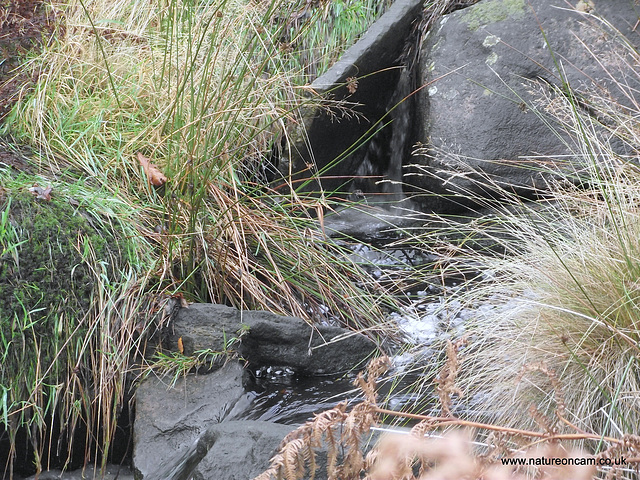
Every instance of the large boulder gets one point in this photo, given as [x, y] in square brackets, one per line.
[485, 67]
[270, 339]
[185, 429]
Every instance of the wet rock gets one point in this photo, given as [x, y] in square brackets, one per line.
[169, 419]
[375, 61]
[270, 339]
[189, 430]
[186, 432]
[111, 472]
[486, 66]
[242, 450]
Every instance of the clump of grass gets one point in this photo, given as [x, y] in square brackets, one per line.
[170, 83]
[573, 272]
[202, 89]
[567, 338]
[316, 33]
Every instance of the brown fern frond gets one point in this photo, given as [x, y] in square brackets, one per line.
[542, 420]
[376, 368]
[548, 424]
[311, 460]
[302, 431]
[293, 461]
[345, 458]
[365, 387]
[357, 424]
[447, 377]
[325, 420]
[296, 449]
[359, 420]
[420, 429]
[275, 470]
[267, 475]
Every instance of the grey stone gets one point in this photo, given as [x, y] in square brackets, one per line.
[185, 431]
[111, 472]
[169, 419]
[328, 138]
[479, 111]
[271, 339]
[242, 450]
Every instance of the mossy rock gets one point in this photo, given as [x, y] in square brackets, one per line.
[53, 255]
[51, 271]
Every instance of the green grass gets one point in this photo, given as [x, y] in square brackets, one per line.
[313, 38]
[204, 89]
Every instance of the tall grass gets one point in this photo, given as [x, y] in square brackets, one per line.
[204, 90]
[566, 338]
[314, 37]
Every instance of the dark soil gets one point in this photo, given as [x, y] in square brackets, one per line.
[25, 26]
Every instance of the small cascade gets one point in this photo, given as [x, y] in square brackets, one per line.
[380, 171]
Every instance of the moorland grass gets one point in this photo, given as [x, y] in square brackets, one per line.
[203, 89]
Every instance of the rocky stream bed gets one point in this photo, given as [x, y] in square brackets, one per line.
[479, 75]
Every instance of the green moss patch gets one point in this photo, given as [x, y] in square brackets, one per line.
[493, 11]
[52, 256]
[50, 271]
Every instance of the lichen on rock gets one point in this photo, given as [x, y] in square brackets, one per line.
[493, 11]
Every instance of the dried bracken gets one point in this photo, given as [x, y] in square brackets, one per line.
[447, 447]
[446, 380]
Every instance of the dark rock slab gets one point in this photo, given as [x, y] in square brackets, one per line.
[327, 136]
[170, 418]
[271, 339]
[186, 432]
[242, 450]
[111, 472]
[479, 113]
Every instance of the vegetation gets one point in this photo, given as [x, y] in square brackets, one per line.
[153, 123]
[440, 446]
[551, 372]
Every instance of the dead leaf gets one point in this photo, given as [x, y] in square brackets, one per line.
[155, 176]
[183, 301]
[41, 193]
[180, 345]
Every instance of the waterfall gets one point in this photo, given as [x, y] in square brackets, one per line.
[379, 174]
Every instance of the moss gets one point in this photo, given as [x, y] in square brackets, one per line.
[492, 11]
[46, 283]
[49, 271]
